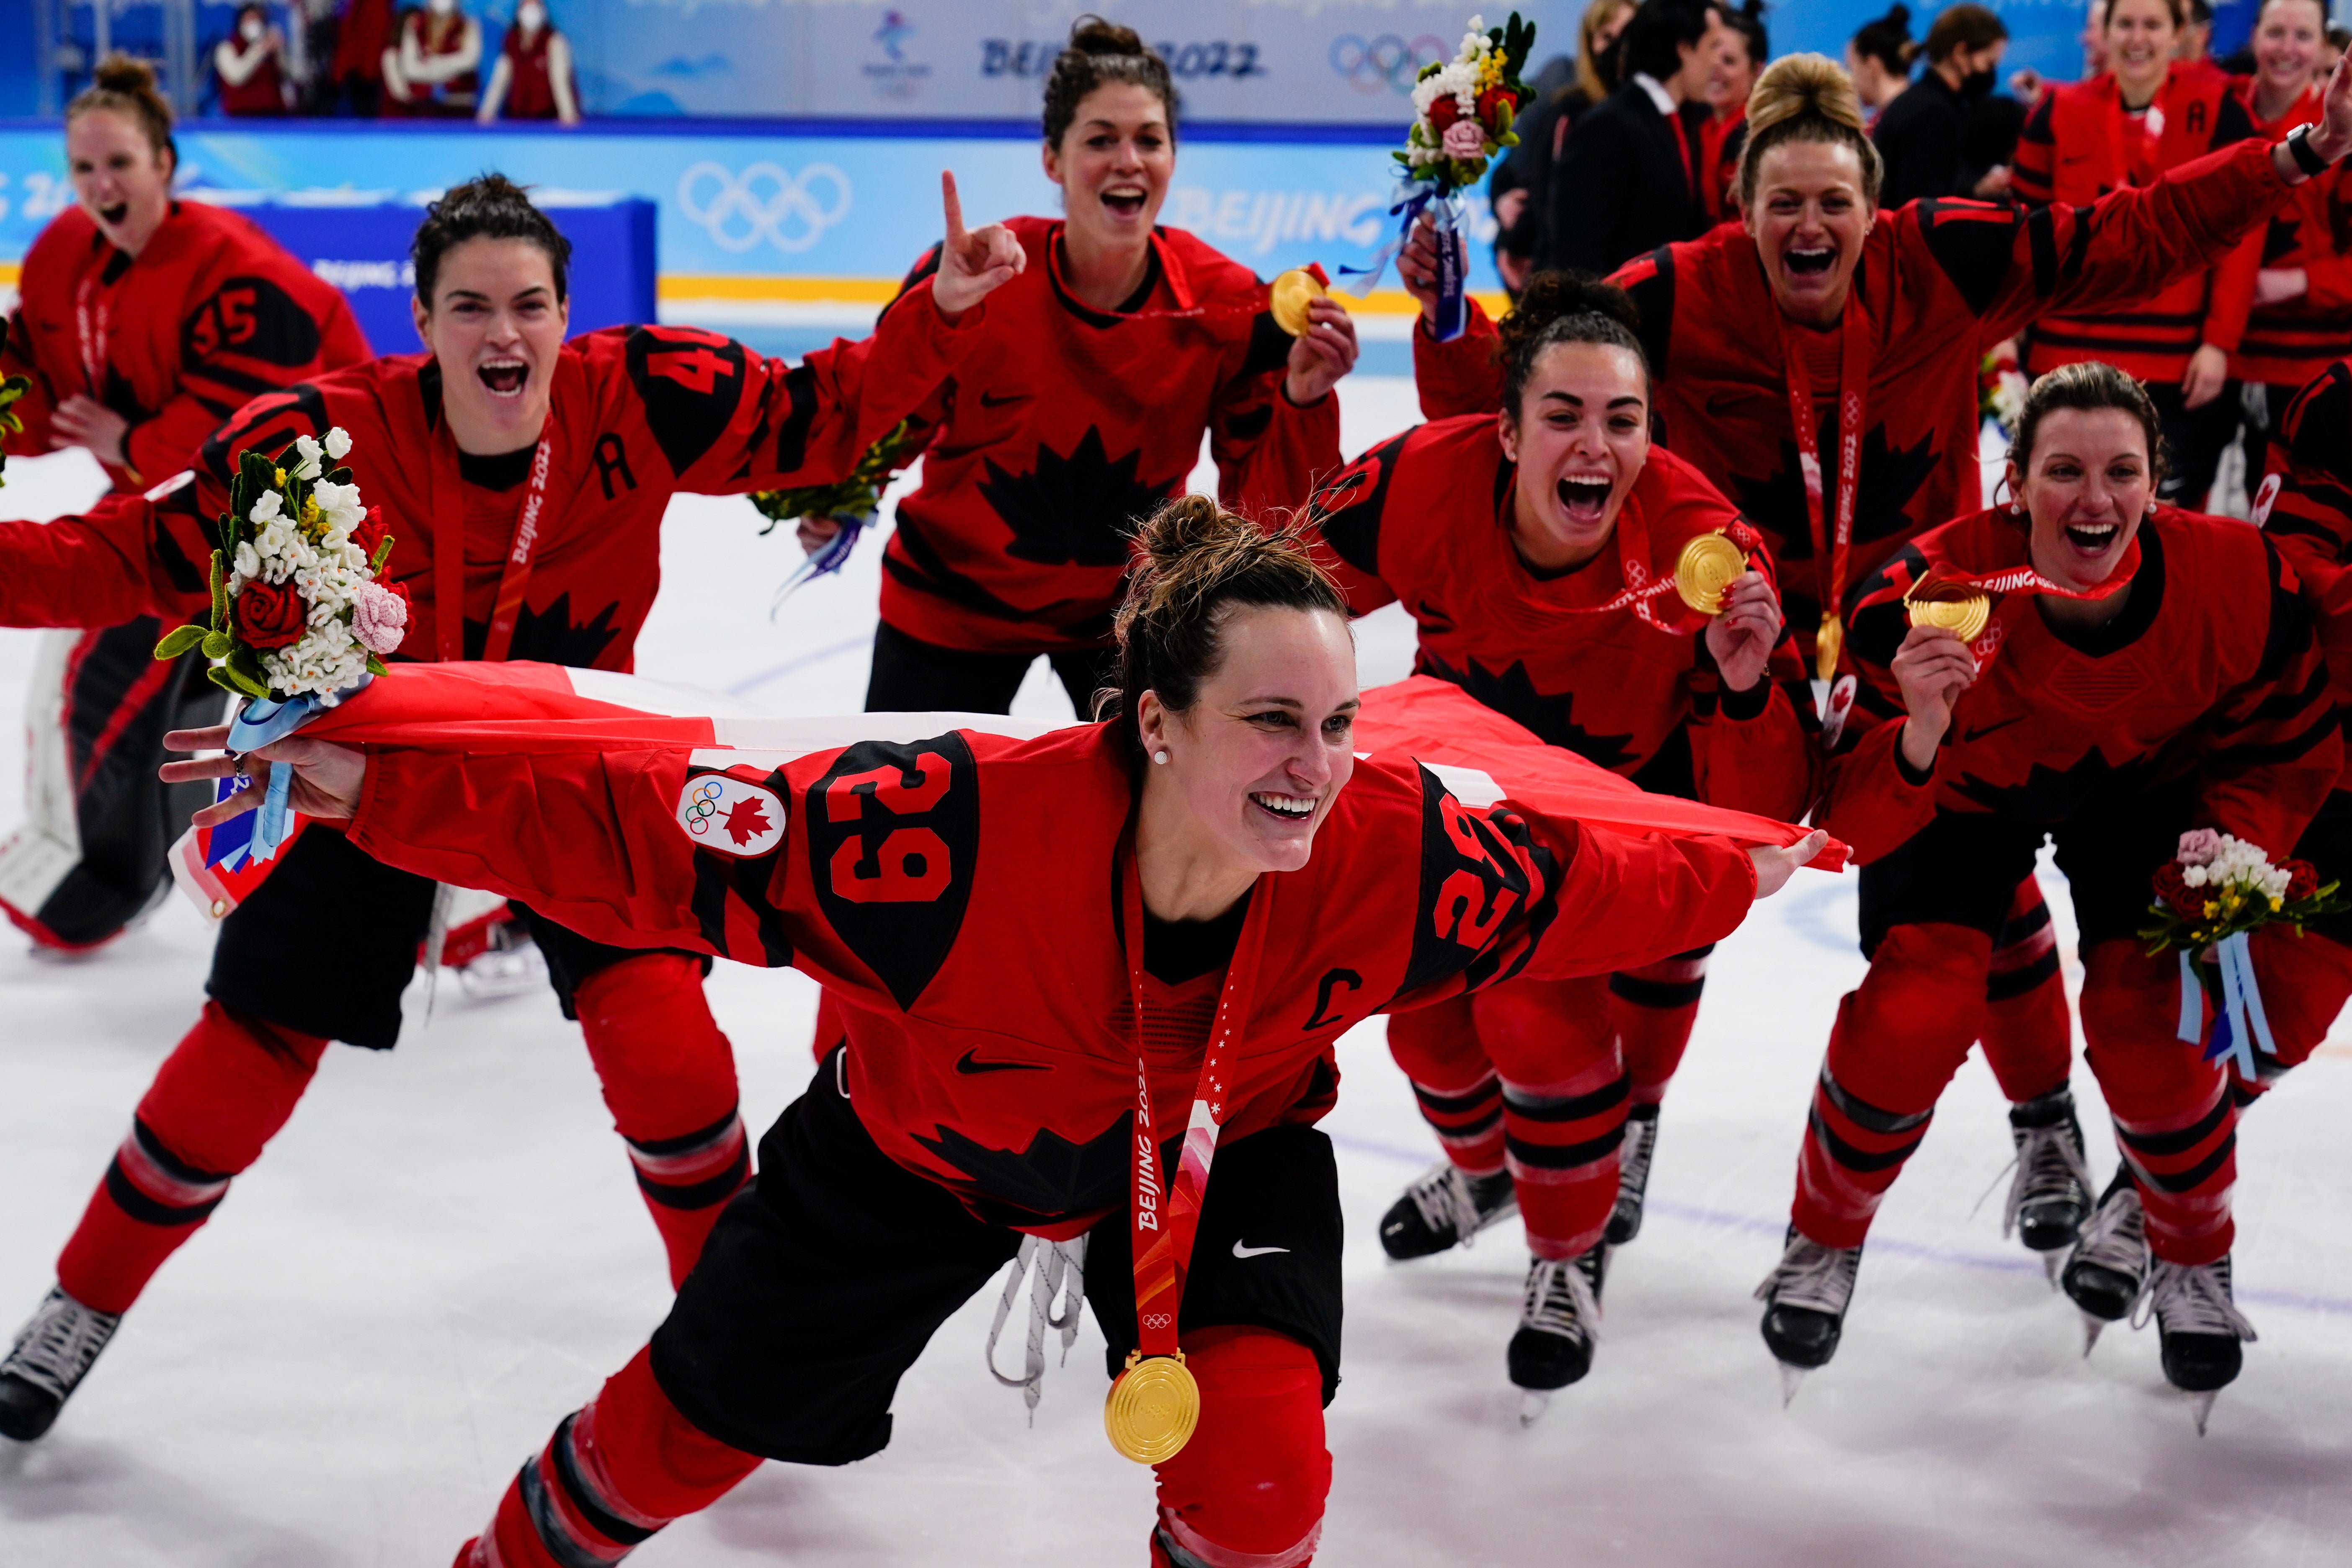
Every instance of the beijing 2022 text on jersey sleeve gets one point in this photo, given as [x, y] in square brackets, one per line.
[1070, 425]
[1938, 283]
[958, 895]
[1424, 518]
[211, 312]
[2210, 671]
[639, 414]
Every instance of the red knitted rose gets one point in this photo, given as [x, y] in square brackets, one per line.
[1492, 104]
[1443, 110]
[270, 615]
[370, 532]
[2175, 891]
[2303, 879]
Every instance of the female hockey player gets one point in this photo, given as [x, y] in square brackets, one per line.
[142, 322]
[2144, 670]
[1872, 324]
[555, 462]
[1101, 366]
[1179, 954]
[2147, 114]
[1538, 552]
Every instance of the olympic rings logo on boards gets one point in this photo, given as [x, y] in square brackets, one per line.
[765, 202]
[1385, 61]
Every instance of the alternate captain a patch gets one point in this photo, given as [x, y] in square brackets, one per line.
[722, 812]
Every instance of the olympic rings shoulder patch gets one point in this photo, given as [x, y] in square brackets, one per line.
[723, 813]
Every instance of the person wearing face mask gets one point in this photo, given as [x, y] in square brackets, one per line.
[1221, 901]
[1922, 135]
[1106, 360]
[434, 66]
[2148, 114]
[364, 36]
[1879, 57]
[2131, 671]
[523, 480]
[2301, 319]
[1827, 326]
[140, 323]
[1741, 47]
[1523, 179]
[1536, 549]
[533, 79]
[1628, 177]
[249, 68]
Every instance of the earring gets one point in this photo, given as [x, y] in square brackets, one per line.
[2016, 509]
[1159, 757]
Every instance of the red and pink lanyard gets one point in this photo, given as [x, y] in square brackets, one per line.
[1832, 544]
[448, 503]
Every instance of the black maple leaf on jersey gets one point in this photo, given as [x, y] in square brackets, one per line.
[1514, 696]
[2059, 794]
[1050, 1179]
[1891, 476]
[1076, 510]
[550, 635]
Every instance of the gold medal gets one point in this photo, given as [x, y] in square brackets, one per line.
[1153, 1407]
[1963, 615]
[1707, 565]
[1293, 292]
[1826, 644]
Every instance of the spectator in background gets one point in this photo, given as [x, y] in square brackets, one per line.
[249, 65]
[1741, 47]
[2196, 40]
[2026, 85]
[1920, 135]
[1628, 177]
[434, 69]
[1523, 185]
[355, 69]
[533, 79]
[1878, 56]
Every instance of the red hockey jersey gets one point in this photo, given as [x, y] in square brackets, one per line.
[961, 895]
[2287, 343]
[2305, 508]
[1071, 425]
[2079, 144]
[2209, 669]
[211, 312]
[1940, 283]
[639, 414]
[1426, 518]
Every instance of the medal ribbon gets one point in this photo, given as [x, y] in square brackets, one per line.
[448, 498]
[93, 327]
[1165, 1216]
[1830, 545]
[1641, 590]
[1939, 579]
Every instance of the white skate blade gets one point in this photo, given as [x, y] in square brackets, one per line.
[2091, 1327]
[1792, 1379]
[1533, 1402]
[2201, 1405]
[2051, 1264]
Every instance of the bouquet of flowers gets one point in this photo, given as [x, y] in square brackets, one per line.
[2211, 896]
[855, 503]
[298, 621]
[2000, 389]
[1462, 114]
[12, 387]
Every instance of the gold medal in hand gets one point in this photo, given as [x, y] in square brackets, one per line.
[1153, 1407]
[1708, 565]
[1963, 613]
[1292, 292]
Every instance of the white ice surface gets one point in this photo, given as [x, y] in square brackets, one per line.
[444, 1252]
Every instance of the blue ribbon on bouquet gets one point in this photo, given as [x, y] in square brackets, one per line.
[2238, 1023]
[1450, 215]
[832, 558]
[259, 722]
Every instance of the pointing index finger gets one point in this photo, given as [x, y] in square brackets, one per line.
[954, 209]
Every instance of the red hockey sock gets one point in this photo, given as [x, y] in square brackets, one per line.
[669, 1080]
[2029, 1038]
[2175, 1120]
[616, 1471]
[1897, 1041]
[1456, 1086]
[225, 1091]
[2304, 983]
[1653, 1009]
[1248, 1490]
[1564, 1096]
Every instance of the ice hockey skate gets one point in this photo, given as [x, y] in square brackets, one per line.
[1560, 1320]
[1444, 1208]
[1805, 1298]
[2051, 1196]
[2108, 1267]
[53, 1354]
[1633, 1173]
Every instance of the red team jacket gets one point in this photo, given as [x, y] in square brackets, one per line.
[211, 312]
[1939, 282]
[639, 414]
[2078, 144]
[960, 896]
[1077, 425]
[2304, 509]
[2287, 343]
[2217, 676]
[1426, 518]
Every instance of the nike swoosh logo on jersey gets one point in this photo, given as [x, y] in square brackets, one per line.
[1982, 730]
[988, 401]
[1246, 1252]
[970, 1063]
